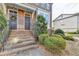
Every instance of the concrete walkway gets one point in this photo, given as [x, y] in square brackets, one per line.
[31, 52]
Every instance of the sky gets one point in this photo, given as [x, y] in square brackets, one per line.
[64, 8]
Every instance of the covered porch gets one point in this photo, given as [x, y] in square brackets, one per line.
[19, 17]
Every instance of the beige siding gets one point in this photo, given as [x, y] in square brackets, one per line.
[78, 22]
[68, 24]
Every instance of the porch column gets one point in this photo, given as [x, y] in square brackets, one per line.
[32, 19]
[50, 20]
[4, 8]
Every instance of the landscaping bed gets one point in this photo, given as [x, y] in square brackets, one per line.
[72, 49]
[59, 43]
[54, 44]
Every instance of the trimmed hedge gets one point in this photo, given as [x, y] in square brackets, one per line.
[68, 38]
[59, 31]
[42, 37]
[57, 35]
[72, 32]
[78, 31]
[54, 42]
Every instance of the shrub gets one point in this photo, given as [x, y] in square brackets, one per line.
[59, 31]
[78, 31]
[68, 38]
[3, 22]
[72, 32]
[57, 35]
[42, 37]
[55, 42]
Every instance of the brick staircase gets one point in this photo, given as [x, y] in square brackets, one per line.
[21, 34]
[18, 41]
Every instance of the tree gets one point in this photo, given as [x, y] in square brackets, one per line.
[40, 26]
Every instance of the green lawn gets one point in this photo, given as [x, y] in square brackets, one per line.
[69, 34]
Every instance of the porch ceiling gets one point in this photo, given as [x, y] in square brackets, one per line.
[20, 6]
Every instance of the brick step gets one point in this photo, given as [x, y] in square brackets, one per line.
[19, 45]
[12, 35]
[25, 43]
[28, 39]
[21, 32]
[14, 51]
[22, 40]
[21, 37]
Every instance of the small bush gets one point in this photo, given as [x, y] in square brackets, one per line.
[77, 31]
[68, 38]
[59, 31]
[42, 37]
[55, 42]
[58, 35]
[72, 32]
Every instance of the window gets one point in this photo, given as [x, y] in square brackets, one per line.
[44, 5]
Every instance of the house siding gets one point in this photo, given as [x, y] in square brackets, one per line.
[77, 22]
[67, 24]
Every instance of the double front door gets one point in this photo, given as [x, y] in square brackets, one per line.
[18, 20]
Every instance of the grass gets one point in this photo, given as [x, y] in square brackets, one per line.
[71, 34]
[68, 34]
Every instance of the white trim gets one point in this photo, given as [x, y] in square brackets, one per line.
[43, 11]
[25, 6]
[24, 20]
[4, 8]
[17, 19]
